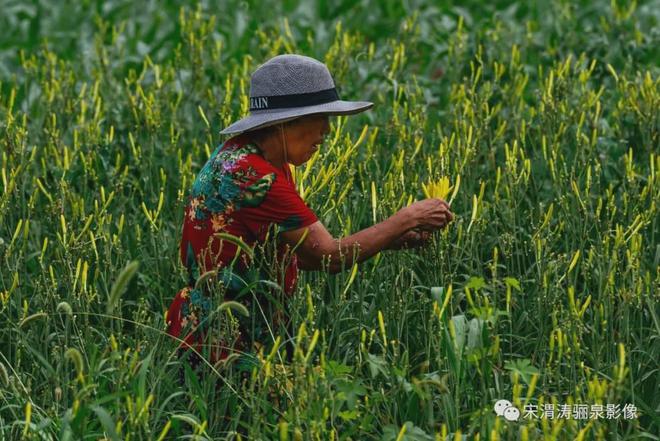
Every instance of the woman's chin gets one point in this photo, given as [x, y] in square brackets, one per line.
[301, 161]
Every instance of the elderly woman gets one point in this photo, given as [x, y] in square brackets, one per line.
[246, 188]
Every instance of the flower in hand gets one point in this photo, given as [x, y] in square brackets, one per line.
[440, 189]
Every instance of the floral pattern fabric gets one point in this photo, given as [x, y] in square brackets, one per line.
[236, 192]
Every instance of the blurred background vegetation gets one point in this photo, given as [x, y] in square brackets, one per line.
[546, 286]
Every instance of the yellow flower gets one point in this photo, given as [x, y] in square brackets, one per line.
[441, 188]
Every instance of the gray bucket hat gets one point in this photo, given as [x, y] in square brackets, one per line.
[289, 86]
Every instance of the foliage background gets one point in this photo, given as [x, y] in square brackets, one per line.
[549, 276]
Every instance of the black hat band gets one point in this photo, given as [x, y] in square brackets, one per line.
[293, 100]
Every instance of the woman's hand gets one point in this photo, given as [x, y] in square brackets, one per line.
[429, 214]
[410, 239]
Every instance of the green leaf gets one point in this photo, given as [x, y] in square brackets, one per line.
[107, 422]
[377, 365]
[523, 367]
[238, 242]
[476, 283]
[512, 282]
[351, 390]
[142, 375]
[120, 285]
[335, 369]
[412, 433]
[190, 419]
[234, 306]
[348, 415]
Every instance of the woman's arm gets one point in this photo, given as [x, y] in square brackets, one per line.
[410, 239]
[320, 250]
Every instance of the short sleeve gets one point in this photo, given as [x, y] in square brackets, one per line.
[281, 205]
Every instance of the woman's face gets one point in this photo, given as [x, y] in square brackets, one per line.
[304, 137]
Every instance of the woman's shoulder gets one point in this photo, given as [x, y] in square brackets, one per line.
[238, 154]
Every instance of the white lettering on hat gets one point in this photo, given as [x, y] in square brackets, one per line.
[259, 102]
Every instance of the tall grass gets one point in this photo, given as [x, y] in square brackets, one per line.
[543, 291]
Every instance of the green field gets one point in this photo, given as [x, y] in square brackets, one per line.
[544, 290]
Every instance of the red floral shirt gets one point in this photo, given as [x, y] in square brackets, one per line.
[240, 193]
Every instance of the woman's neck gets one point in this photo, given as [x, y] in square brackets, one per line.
[272, 151]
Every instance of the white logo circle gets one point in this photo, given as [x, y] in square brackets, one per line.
[511, 413]
[501, 406]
